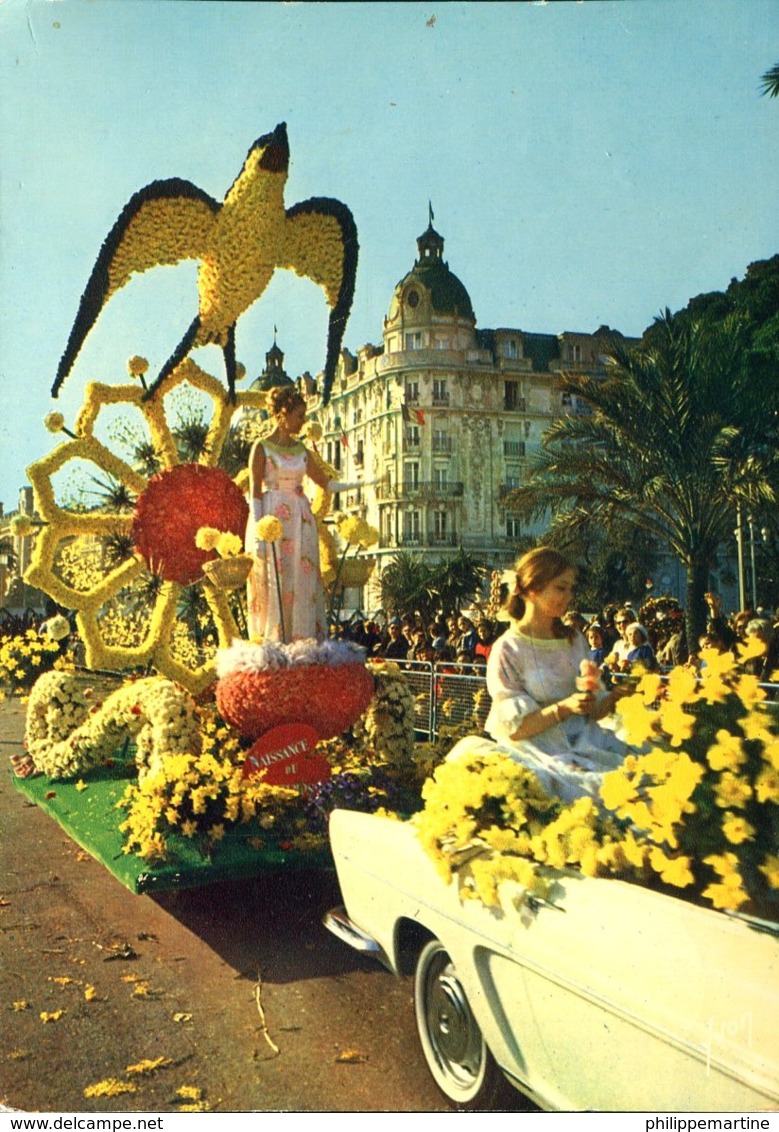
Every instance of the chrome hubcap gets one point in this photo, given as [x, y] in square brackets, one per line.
[451, 1026]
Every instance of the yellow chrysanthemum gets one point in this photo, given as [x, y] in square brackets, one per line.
[137, 366]
[724, 864]
[729, 895]
[207, 538]
[750, 649]
[727, 753]
[732, 790]
[757, 725]
[767, 785]
[770, 869]
[672, 870]
[737, 829]
[717, 663]
[677, 723]
[649, 686]
[713, 688]
[269, 529]
[638, 721]
[228, 545]
[682, 686]
[749, 691]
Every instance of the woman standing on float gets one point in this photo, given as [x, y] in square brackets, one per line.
[277, 466]
[545, 710]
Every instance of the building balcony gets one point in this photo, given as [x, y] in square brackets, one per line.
[441, 399]
[431, 489]
[420, 490]
[514, 448]
[411, 443]
[421, 541]
[427, 358]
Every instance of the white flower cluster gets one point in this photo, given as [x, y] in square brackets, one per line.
[56, 628]
[248, 656]
[67, 731]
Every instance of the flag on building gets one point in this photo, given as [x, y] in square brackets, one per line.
[344, 439]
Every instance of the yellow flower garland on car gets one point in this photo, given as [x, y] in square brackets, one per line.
[63, 524]
[695, 809]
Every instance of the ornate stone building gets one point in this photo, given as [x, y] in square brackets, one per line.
[439, 420]
[15, 556]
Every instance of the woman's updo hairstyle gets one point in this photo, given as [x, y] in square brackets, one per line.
[284, 399]
[533, 571]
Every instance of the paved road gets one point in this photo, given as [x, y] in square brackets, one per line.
[344, 1028]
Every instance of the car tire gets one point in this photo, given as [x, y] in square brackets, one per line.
[455, 1051]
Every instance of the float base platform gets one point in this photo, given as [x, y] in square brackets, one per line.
[91, 818]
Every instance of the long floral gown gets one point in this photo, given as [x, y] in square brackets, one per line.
[297, 553]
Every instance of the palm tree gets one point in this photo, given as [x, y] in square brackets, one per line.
[770, 82]
[405, 586]
[457, 581]
[679, 430]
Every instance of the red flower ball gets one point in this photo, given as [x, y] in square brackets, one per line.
[330, 698]
[176, 503]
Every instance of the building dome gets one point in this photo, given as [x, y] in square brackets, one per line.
[274, 373]
[430, 276]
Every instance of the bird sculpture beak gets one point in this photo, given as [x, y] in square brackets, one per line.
[276, 156]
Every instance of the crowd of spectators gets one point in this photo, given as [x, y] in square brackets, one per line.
[622, 638]
[17, 624]
[455, 640]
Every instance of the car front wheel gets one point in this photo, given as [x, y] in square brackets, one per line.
[456, 1053]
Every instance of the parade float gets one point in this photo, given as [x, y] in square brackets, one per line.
[208, 754]
[178, 751]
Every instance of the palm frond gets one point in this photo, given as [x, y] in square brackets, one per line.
[770, 82]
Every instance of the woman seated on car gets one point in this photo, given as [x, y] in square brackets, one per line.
[547, 706]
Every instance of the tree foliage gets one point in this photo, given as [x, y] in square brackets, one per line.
[770, 82]
[682, 427]
[410, 584]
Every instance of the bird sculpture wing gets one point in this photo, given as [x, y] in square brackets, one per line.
[163, 223]
[320, 242]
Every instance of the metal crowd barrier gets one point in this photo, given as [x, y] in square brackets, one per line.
[445, 694]
[452, 693]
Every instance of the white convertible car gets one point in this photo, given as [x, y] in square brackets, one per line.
[612, 997]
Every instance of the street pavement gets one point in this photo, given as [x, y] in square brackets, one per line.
[238, 987]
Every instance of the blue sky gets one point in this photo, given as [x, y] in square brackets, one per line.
[588, 163]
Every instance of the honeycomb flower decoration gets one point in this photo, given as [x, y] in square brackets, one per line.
[170, 506]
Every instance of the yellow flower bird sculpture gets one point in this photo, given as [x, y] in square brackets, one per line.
[238, 243]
